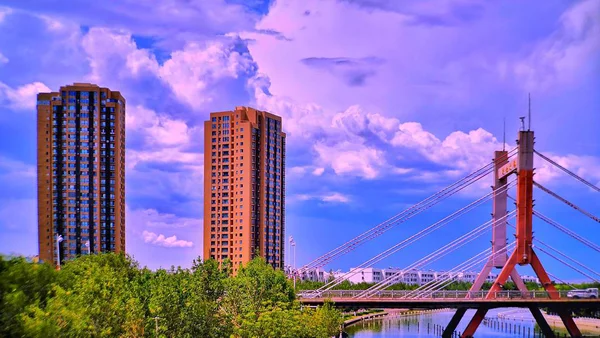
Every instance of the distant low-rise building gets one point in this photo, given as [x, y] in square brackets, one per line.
[410, 277]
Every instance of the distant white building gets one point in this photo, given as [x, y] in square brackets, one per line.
[530, 279]
[319, 275]
[411, 277]
[365, 275]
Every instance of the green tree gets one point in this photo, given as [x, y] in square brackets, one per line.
[22, 284]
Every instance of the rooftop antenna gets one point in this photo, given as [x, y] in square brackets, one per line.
[504, 135]
[529, 119]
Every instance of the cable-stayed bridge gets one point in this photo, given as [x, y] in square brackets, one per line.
[510, 169]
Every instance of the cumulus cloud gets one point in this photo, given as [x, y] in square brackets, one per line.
[22, 97]
[167, 242]
[190, 72]
[3, 59]
[158, 129]
[348, 158]
[464, 151]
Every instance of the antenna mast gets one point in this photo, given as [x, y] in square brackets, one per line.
[529, 119]
[504, 135]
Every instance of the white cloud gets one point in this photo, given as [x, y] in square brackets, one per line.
[114, 54]
[352, 159]
[23, 97]
[152, 218]
[159, 129]
[4, 12]
[335, 197]
[3, 59]
[190, 72]
[354, 121]
[16, 170]
[301, 170]
[300, 120]
[167, 242]
[331, 197]
[460, 150]
[565, 56]
[318, 171]
[587, 167]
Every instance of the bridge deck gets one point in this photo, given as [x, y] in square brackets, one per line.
[390, 303]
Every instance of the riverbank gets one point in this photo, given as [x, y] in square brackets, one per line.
[585, 325]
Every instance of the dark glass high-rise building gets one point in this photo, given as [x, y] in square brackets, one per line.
[244, 187]
[81, 171]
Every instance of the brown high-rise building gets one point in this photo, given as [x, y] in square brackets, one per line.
[244, 187]
[81, 171]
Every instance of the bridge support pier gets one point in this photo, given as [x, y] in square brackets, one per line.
[541, 321]
[458, 315]
[474, 323]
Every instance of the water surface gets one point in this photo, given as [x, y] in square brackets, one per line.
[518, 324]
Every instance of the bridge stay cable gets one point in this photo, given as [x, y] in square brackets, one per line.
[453, 274]
[572, 174]
[403, 216]
[439, 281]
[436, 255]
[538, 241]
[397, 219]
[564, 200]
[401, 245]
[567, 231]
[563, 229]
[567, 264]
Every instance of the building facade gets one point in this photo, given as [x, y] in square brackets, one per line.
[244, 187]
[81, 171]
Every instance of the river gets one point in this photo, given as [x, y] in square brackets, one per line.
[498, 323]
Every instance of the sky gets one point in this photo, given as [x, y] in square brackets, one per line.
[384, 103]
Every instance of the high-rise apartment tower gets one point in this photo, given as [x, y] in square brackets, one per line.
[244, 187]
[81, 171]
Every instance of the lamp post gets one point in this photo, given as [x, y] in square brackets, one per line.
[290, 240]
[293, 244]
[89, 249]
[59, 239]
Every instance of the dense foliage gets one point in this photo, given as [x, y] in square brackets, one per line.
[108, 295]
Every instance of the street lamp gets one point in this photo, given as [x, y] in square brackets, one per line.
[59, 238]
[290, 240]
[293, 244]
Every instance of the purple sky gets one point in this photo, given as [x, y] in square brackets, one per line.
[384, 102]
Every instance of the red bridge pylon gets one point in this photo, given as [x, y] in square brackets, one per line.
[523, 254]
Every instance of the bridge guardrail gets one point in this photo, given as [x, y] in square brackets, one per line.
[446, 294]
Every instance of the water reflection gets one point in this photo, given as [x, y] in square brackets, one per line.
[498, 323]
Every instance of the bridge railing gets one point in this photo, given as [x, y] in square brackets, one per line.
[448, 294]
